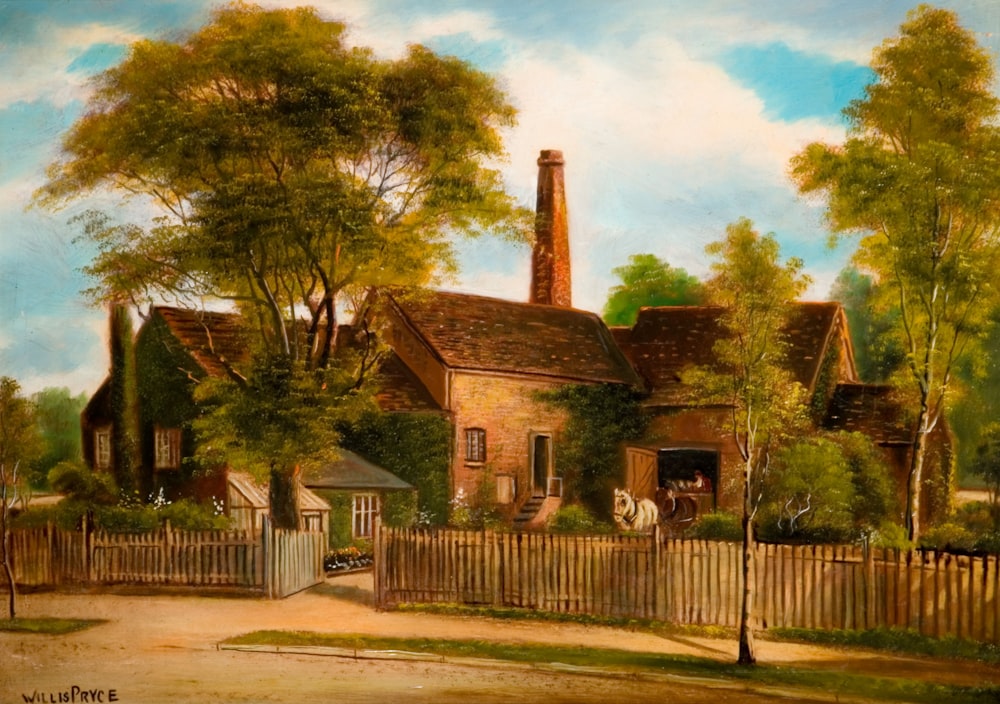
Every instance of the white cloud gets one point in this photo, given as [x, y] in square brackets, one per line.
[40, 71]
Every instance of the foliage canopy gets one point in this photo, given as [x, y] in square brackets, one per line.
[918, 176]
[647, 280]
[755, 291]
[290, 172]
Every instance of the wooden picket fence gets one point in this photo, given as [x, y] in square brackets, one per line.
[274, 562]
[692, 581]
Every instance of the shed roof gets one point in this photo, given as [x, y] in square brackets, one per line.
[492, 334]
[351, 471]
[257, 496]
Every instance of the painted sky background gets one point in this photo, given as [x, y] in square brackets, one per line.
[676, 117]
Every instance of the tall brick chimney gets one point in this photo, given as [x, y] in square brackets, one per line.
[550, 279]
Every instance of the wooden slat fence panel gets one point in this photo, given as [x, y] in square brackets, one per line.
[692, 581]
[51, 556]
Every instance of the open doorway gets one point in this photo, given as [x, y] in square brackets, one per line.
[541, 463]
[689, 470]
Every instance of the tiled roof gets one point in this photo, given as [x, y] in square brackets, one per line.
[666, 340]
[491, 334]
[399, 389]
[210, 337]
[869, 409]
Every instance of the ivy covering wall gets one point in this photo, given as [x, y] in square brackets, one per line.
[590, 452]
[413, 446]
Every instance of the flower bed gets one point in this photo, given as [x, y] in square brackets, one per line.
[346, 560]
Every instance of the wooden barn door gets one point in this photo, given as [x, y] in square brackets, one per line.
[640, 472]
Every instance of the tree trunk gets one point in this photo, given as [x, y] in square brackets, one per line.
[914, 480]
[284, 498]
[8, 566]
[747, 654]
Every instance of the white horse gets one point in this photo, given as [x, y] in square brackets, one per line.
[631, 514]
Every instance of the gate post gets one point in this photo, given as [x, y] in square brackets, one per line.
[378, 560]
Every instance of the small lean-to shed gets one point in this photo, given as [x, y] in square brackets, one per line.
[248, 503]
[357, 489]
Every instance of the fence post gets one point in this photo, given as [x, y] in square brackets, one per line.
[88, 557]
[267, 548]
[378, 563]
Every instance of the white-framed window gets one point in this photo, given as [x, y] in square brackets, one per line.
[167, 448]
[363, 517]
[475, 445]
[102, 448]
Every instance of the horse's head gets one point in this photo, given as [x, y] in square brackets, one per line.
[623, 501]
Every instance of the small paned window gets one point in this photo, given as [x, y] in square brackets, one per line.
[475, 445]
[102, 448]
[167, 448]
[365, 508]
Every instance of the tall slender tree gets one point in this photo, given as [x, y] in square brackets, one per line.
[756, 292]
[919, 174]
[20, 444]
[290, 172]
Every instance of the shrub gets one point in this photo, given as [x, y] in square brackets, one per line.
[188, 515]
[890, 535]
[718, 525]
[948, 536]
[576, 519]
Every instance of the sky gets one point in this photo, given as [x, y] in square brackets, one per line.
[675, 118]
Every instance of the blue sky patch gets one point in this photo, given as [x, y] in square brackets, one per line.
[97, 58]
[795, 85]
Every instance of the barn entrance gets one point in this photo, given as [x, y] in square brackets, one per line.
[688, 470]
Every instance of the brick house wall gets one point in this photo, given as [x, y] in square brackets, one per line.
[507, 408]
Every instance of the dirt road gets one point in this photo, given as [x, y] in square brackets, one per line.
[163, 648]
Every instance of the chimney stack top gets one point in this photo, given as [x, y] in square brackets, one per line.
[551, 157]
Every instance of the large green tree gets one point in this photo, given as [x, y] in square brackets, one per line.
[647, 280]
[919, 174]
[756, 291]
[57, 412]
[290, 172]
[878, 351]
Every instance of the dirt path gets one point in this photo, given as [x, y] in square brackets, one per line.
[155, 644]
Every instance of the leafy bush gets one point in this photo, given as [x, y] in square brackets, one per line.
[890, 535]
[76, 481]
[188, 515]
[476, 511]
[973, 527]
[576, 519]
[126, 519]
[717, 525]
[948, 536]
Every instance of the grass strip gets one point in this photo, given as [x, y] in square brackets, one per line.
[839, 683]
[48, 626]
[892, 640]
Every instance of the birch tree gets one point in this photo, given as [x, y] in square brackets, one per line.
[919, 177]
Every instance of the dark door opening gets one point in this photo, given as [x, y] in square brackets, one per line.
[688, 470]
[541, 446]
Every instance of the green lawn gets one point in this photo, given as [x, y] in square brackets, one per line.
[48, 626]
[839, 683]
